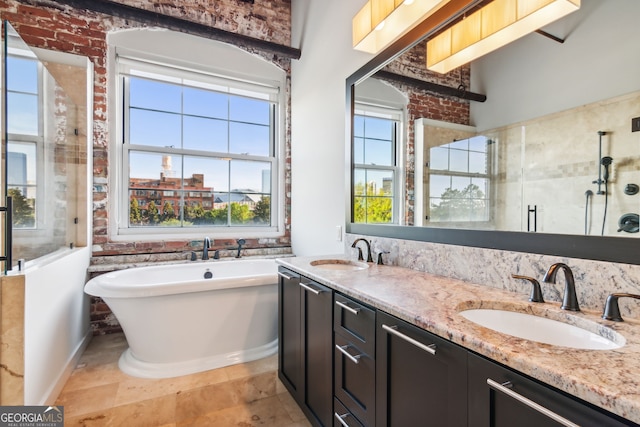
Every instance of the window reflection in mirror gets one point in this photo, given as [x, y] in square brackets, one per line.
[547, 104]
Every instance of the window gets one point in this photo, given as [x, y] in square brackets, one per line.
[375, 174]
[25, 138]
[205, 144]
[459, 181]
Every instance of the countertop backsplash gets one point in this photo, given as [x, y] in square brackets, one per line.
[595, 280]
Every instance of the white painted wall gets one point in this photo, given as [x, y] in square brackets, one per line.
[319, 182]
[586, 68]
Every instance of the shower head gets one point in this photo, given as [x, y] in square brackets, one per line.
[606, 161]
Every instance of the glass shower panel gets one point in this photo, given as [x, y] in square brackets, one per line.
[42, 150]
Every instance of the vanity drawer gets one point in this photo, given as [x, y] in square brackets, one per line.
[354, 380]
[342, 417]
[355, 322]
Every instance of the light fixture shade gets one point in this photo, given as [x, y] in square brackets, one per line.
[381, 22]
[495, 25]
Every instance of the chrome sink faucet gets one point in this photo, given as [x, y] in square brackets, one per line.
[569, 300]
[360, 258]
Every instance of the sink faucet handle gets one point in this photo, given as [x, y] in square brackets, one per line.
[611, 307]
[536, 290]
[380, 257]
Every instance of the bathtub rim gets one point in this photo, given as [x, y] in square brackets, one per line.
[103, 285]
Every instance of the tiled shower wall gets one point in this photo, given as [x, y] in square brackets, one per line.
[595, 280]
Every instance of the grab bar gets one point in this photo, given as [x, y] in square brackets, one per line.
[8, 229]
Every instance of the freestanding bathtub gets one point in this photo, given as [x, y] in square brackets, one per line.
[178, 322]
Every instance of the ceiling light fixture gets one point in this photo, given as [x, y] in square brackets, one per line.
[381, 22]
[493, 26]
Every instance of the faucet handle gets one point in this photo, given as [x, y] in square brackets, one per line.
[536, 291]
[611, 307]
[380, 257]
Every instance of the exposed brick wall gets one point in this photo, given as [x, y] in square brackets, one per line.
[47, 24]
[428, 105]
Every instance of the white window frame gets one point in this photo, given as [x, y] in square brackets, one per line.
[119, 229]
[398, 115]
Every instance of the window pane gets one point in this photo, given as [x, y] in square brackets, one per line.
[459, 160]
[439, 158]
[154, 128]
[358, 150]
[206, 174]
[248, 176]
[459, 184]
[22, 113]
[358, 126]
[478, 143]
[477, 162]
[249, 139]
[205, 103]
[359, 179]
[379, 182]
[249, 110]
[22, 75]
[154, 95]
[205, 134]
[438, 185]
[378, 128]
[378, 152]
[379, 210]
[21, 164]
[462, 144]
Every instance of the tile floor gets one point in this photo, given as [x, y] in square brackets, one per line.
[245, 395]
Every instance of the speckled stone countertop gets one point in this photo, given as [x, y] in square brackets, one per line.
[609, 379]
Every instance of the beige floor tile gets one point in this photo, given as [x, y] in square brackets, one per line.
[87, 400]
[248, 369]
[290, 405]
[266, 412]
[149, 413]
[134, 389]
[94, 375]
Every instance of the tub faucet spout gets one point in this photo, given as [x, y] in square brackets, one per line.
[205, 248]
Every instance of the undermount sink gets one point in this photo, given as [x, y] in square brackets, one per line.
[544, 330]
[339, 264]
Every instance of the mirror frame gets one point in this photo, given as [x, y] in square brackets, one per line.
[598, 248]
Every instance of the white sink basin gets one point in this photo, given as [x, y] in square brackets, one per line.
[543, 330]
[339, 264]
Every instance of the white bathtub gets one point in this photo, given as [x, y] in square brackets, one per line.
[177, 322]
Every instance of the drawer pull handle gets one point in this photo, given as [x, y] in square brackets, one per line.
[285, 275]
[505, 388]
[431, 348]
[310, 289]
[343, 350]
[346, 307]
[341, 418]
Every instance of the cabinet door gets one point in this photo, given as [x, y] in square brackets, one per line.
[500, 397]
[289, 329]
[317, 339]
[421, 378]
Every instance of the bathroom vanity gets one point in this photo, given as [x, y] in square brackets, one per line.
[369, 345]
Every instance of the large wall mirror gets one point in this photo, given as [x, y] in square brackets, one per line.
[532, 147]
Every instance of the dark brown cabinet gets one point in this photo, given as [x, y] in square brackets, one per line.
[354, 327]
[305, 364]
[421, 378]
[500, 397]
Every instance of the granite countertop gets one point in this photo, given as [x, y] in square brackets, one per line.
[608, 379]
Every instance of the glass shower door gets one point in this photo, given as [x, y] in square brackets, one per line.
[42, 152]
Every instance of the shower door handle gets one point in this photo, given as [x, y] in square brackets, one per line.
[8, 233]
[535, 218]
